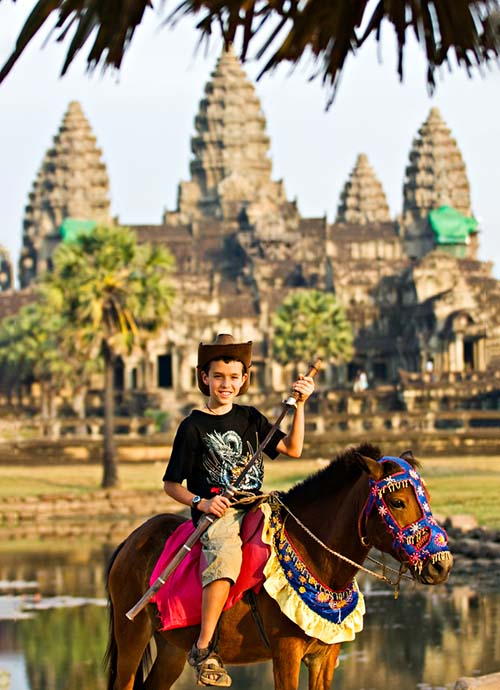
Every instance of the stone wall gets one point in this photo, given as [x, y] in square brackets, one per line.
[105, 515]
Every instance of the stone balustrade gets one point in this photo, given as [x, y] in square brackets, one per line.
[431, 433]
[480, 422]
[357, 419]
[89, 427]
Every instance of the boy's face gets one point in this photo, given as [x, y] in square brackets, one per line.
[224, 380]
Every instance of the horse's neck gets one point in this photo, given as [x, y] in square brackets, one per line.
[334, 522]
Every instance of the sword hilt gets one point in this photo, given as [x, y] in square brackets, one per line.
[291, 401]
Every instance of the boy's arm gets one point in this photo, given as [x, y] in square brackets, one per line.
[216, 505]
[293, 442]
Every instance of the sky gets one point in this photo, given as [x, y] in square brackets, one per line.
[143, 118]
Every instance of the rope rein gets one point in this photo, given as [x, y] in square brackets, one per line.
[400, 573]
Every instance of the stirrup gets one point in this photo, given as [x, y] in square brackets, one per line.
[206, 664]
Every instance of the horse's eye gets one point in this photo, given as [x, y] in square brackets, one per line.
[396, 503]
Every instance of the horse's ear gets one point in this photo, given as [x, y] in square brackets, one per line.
[408, 456]
[371, 467]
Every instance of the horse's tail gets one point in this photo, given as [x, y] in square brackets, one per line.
[111, 654]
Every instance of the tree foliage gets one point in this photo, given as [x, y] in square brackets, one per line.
[113, 290]
[29, 351]
[329, 31]
[105, 295]
[112, 294]
[311, 323]
[34, 348]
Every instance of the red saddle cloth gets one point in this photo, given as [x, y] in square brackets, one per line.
[179, 600]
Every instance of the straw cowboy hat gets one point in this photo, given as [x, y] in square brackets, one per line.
[224, 346]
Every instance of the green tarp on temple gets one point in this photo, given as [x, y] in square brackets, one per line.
[72, 228]
[450, 226]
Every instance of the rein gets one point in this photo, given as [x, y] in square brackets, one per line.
[401, 572]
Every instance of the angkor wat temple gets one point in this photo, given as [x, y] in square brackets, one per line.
[413, 287]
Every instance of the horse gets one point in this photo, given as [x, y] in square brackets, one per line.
[333, 518]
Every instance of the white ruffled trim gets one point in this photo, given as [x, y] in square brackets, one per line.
[290, 603]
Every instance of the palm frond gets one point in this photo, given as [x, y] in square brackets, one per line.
[112, 21]
[330, 31]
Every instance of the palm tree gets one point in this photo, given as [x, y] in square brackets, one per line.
[113, 294]
[311, 323]
[329, 31]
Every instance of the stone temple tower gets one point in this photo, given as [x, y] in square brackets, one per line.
[5, 270]
[231, 168]
[363, 199]
[72, 182]
[435, 177]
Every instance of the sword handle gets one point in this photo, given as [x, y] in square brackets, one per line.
[291, 401]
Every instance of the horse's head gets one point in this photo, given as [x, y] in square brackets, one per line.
[397, 519]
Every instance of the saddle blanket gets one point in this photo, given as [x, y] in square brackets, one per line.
[179, 600]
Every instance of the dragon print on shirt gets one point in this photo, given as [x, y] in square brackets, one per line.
[225, 460]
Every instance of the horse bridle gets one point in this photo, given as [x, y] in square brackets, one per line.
[419, 541]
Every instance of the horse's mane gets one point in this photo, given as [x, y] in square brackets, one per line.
[342, 471]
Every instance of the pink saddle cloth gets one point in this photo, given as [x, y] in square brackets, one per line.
[179, 600]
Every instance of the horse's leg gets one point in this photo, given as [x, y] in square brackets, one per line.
[167, 667]
[321, 667]
[287, 656]
[131, 640]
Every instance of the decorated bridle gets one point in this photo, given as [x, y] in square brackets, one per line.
[419, 541]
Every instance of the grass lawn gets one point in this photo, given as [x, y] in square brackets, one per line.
[75, 478]
[457, 485]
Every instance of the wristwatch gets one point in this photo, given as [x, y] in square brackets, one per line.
[195, 500]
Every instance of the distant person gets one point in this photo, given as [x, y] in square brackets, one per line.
[429, 368]
[363, 380]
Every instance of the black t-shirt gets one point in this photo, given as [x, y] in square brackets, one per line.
[210, 451]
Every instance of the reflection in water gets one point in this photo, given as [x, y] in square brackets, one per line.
[429, 637]
[63, 648]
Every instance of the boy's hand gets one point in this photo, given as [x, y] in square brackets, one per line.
[304, 386]
[215, 506]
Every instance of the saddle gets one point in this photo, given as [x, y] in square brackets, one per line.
[179, 600]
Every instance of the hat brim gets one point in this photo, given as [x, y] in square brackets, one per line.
[241, 352]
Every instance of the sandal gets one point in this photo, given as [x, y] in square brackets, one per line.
[209, 668]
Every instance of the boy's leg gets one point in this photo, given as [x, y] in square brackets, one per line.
[222, 552]
[214, 598]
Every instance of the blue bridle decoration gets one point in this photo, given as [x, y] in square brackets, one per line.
[421, 540]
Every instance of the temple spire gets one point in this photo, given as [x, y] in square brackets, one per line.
[363, 200]
[72, 182]
[436, 174]
[231, 166]
[435, 177]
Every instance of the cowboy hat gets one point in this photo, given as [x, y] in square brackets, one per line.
[224, 346]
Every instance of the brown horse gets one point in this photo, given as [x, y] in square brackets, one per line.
[331, 504]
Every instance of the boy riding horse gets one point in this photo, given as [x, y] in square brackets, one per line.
[211, 447]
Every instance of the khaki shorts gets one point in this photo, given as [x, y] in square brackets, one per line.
[221, 548]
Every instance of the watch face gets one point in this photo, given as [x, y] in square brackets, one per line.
[196, 500]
